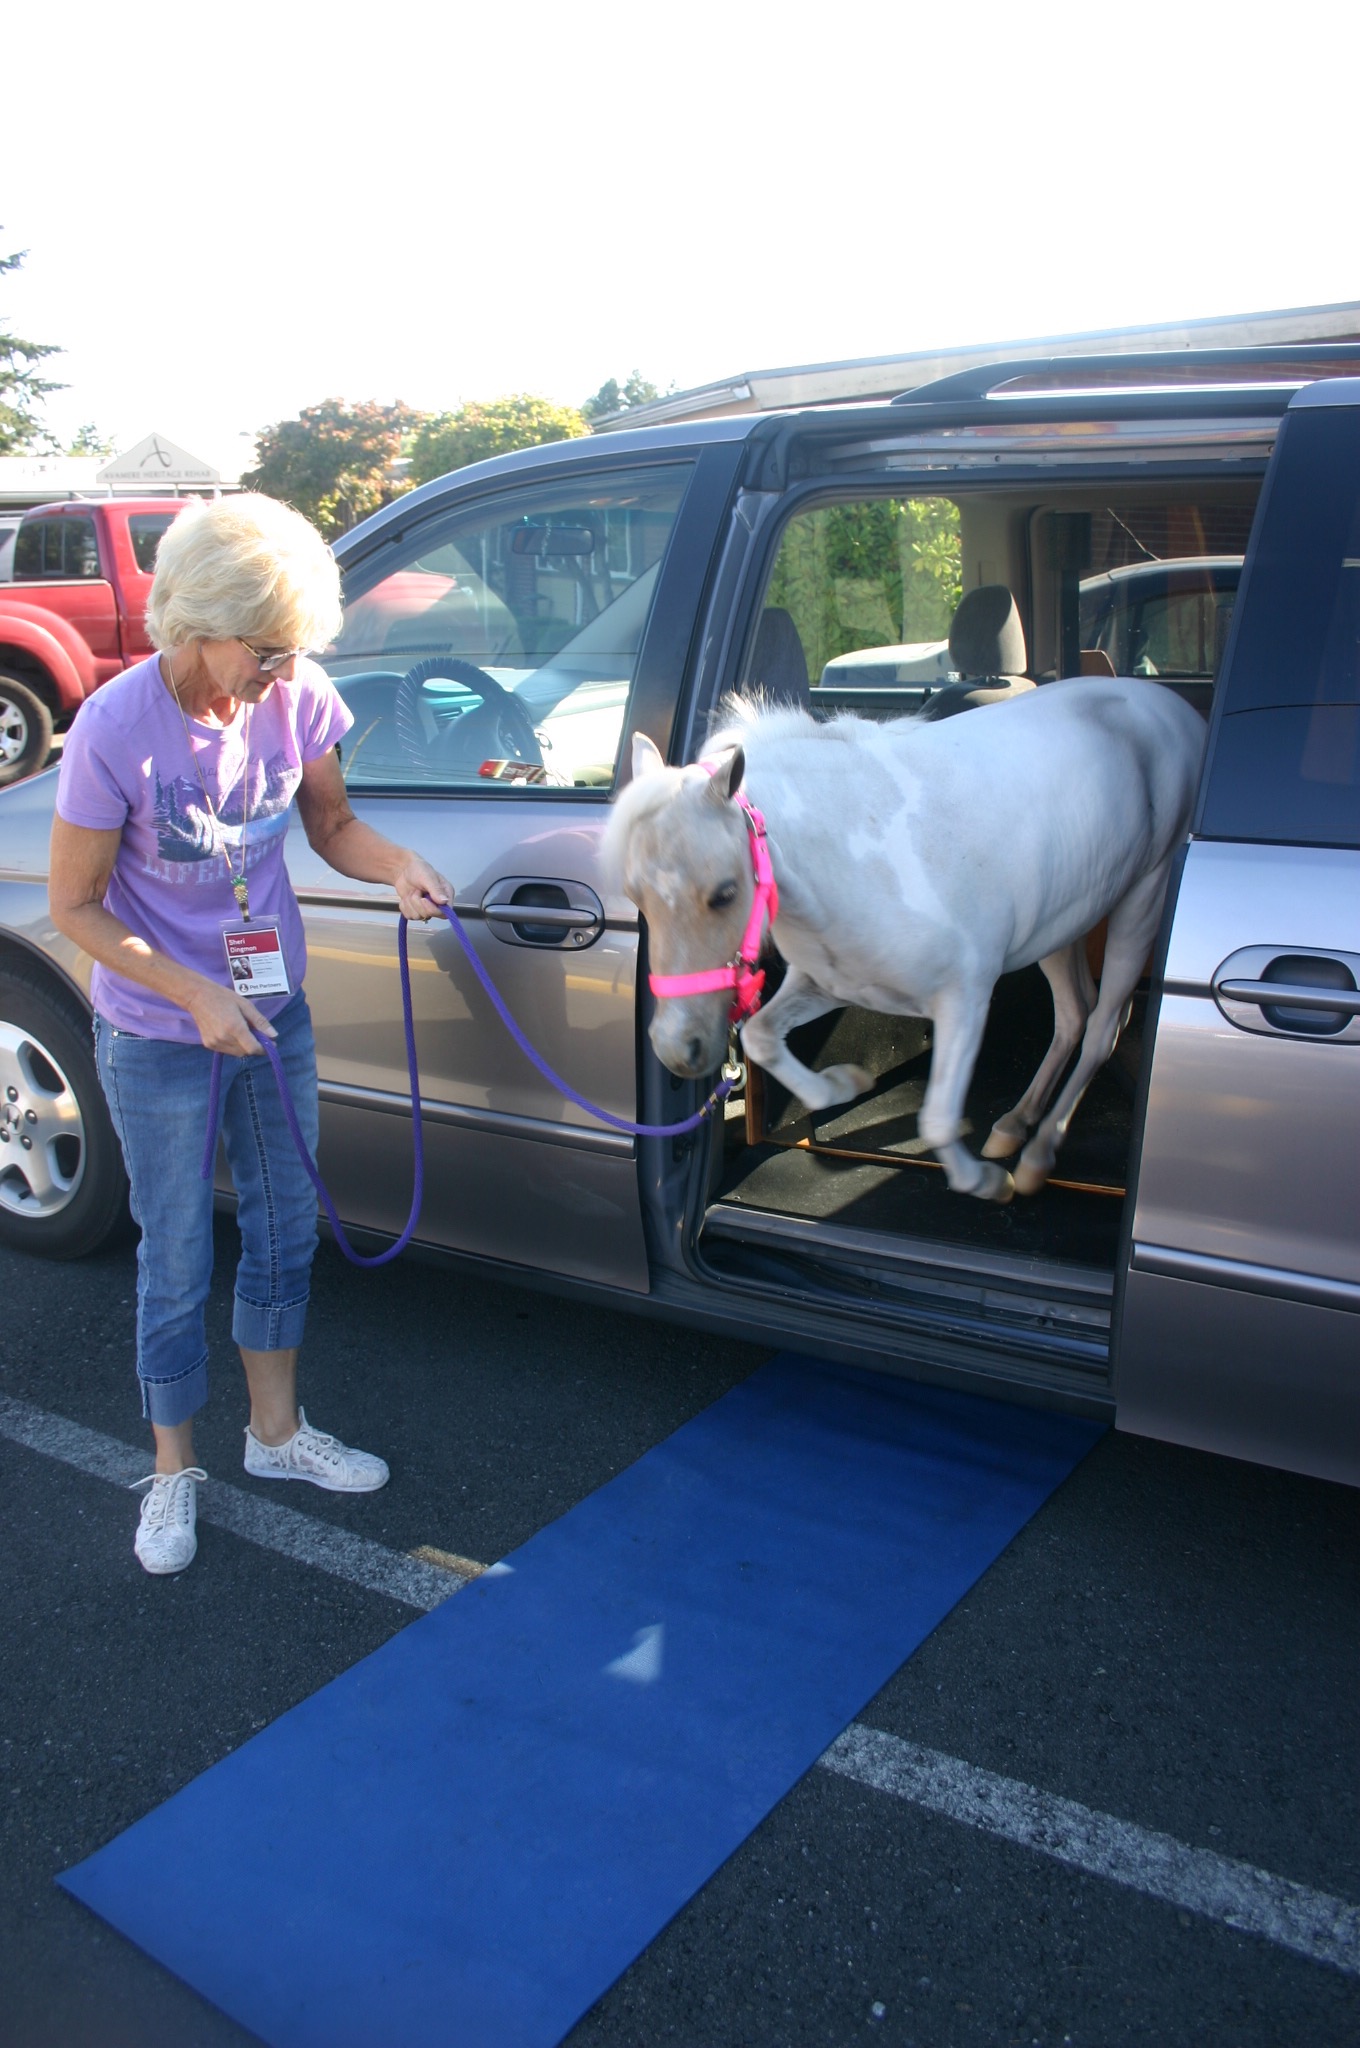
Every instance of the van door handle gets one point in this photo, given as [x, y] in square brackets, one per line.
[1291, 992]
[1294, 998]
[538, 910]
[516, 913]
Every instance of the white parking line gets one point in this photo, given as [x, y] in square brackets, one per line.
[412, 1580]
[1313, 1924]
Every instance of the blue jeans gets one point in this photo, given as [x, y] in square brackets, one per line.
[157, 1094]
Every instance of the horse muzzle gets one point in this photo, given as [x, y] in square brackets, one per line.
[690, 1037]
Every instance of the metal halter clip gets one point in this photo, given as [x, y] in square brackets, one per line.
[733, 1067]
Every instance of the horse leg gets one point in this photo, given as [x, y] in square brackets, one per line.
[960, 1018]
[1133, 927]
[1074, 997]
[763, 1037]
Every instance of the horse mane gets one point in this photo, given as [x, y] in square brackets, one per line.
[743, 714]
[744, 717]
[741, 717]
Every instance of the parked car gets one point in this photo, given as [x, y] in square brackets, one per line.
[9, 526]
[1168, 619]
[72, 614]
[1194, 1270]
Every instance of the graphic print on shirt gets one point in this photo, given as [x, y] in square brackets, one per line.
[185, 832]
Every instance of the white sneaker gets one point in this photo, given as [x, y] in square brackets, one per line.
[166, 1536]
[314, 1456]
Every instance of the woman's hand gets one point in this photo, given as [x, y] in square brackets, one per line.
[82, 862]
[227, 1022]
[420, 888]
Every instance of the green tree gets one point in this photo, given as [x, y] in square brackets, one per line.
[335, 463]
[22, 387]
[450, 440]
[613, 397]
[89, 441]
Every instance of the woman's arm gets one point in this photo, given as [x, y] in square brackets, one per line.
[78, 879]
[355, 849]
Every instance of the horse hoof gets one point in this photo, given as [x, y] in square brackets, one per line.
[995, 1186]
[844, 1083]
[1002, 1143]
[1029, 1179]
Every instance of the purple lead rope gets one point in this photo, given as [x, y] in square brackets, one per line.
[619, 1123]
[295, 1129]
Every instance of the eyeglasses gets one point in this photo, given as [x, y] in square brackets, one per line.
[269, 663]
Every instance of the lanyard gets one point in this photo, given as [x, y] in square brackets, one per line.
[240, 888]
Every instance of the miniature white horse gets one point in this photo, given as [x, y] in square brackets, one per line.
[916, 862]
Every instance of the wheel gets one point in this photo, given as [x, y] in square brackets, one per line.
[501, 726]
[25, 730]
[63, 1189]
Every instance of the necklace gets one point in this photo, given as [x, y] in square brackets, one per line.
[240, 888]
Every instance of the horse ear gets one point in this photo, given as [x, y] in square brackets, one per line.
[647, 757]
[727, 776]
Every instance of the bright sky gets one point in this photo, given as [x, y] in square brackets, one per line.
[234, 212]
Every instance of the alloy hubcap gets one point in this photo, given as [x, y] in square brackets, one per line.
[42, 1133]
[13, 731]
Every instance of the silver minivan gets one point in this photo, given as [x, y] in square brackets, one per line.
[1194, 1270]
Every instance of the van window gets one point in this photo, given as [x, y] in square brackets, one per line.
[499, 644]
[1161, 620]
[1148, 583]
[1286, 761]
[868, 588]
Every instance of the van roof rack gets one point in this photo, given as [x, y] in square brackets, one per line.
[1295, 363]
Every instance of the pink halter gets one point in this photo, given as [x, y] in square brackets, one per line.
[741, 973]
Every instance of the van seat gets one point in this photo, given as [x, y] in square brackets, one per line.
[987, 647]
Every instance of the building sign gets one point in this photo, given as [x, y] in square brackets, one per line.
[156, 461]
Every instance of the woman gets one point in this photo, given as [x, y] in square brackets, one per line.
[167, 869]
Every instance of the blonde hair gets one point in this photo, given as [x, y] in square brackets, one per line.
[244, 565]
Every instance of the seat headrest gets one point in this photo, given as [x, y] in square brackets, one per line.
[987, 638]
[778, 666]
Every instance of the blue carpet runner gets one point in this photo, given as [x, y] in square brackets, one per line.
[464, 1840]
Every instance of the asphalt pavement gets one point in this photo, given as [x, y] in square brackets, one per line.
[1168, 1656]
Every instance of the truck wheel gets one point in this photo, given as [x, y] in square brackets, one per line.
[63, 1190]
[25, 730]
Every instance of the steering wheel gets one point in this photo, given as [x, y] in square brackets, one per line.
[500, 728]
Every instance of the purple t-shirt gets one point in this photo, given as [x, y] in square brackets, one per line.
[126, 766]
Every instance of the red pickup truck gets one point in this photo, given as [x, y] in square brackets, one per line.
[74, 614]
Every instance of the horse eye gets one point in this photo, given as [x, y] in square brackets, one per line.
[725, 893]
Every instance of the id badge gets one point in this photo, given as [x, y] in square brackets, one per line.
[255, 959]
